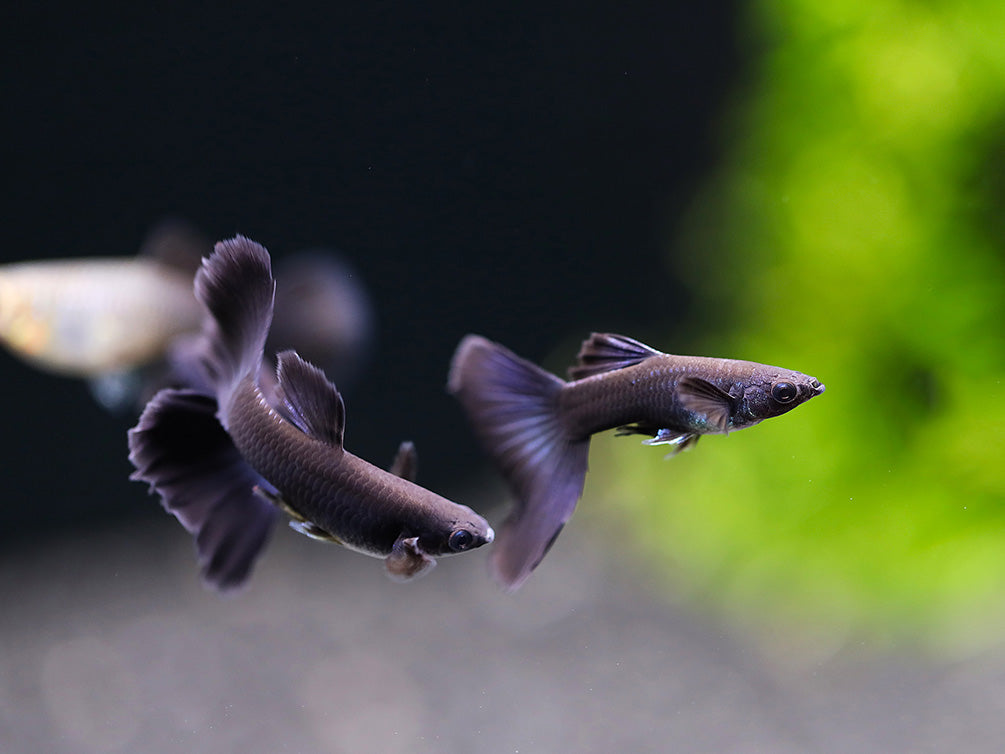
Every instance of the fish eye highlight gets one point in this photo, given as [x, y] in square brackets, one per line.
[784, 392]
[460, 540]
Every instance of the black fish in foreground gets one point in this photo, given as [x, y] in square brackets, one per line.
[537, 427]
[224, 456]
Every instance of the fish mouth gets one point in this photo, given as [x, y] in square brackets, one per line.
[489, 535]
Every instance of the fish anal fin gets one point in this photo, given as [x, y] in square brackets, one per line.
[407, 560]
[309, 400]
[277, 500]
[607, 352]
[312, 530]
[406, 462]
[702, 397]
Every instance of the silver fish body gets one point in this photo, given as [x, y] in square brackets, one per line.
[226, 458]
[537, 427]
[113, 320]
[87, 317]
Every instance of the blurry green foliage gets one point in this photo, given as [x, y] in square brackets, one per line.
[855, 232]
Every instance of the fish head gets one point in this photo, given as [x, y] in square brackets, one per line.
[457, 534]
[773, 391]
[413, 555]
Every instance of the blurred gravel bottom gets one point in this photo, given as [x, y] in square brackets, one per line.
[110, 644]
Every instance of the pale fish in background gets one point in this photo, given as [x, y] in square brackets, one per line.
[91, 316]
[112, 321]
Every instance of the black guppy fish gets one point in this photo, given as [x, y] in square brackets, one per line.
[225, 455]
[537, 427]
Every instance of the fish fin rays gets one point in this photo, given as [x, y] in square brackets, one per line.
[235, 285]
[312, 530]
[183, 453]
[606, 352]
[306, 397]
[702, 397]
[551, 492]
[512, 406]
[660, 436]
[406, 462]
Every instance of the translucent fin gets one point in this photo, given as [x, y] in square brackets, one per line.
[235, 285]
[704, 398]
[406, 462]
[178, 244]
[324, 313]
[605, 352]
[312, 530]
[660, 436]
[512, 406]
[180, 450]
[307, 397]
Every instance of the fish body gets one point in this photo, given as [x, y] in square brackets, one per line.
[275, 442]
[112, 320]
[537, 427]
[86, 317]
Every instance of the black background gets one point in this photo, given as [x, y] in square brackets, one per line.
[509, 169]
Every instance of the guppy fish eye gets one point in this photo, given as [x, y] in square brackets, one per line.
[784, 392]
[460, 540]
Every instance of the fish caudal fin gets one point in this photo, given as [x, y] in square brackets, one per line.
[512, 406]
[235, 285]
[179, 448]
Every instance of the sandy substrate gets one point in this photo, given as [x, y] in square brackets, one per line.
[110, 644]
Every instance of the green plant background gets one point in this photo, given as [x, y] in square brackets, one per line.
[854, 232]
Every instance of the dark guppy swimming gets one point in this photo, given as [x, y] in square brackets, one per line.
[239, 444]
[537, 427]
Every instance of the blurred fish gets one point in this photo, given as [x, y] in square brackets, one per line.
[224, 459]
[86, 317]
[112, 320]
[537, 427]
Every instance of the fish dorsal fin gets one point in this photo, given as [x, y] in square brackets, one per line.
[176, 243]
[605, 352]
[309, 400]
[406, 462]
[702, 397]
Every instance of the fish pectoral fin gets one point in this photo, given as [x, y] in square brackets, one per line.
[312, 530]
[703, 398]
[407, 560]
[606, 352]
[406, 462]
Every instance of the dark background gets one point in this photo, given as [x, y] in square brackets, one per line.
[508, 169]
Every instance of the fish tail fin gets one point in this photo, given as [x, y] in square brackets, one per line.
[513, 407]
[235, 285]
[180, 449]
